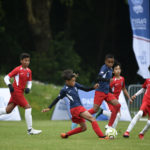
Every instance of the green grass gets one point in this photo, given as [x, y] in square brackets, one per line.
[13, 136]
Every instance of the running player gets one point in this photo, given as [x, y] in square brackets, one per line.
[102, 92]
[22, 76]
[78, 112]
[117, 85]
[144, 109]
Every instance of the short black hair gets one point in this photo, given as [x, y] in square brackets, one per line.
[109, 56]
[116, 64]
[68, 74]
[24, 55]
[149, 68]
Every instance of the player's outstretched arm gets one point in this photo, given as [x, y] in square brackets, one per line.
[142, 90]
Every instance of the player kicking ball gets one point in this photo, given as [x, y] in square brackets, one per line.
[78, 112]
[22, 77]
[144, 110]
[117, 85]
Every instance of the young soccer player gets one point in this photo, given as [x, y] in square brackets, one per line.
[78, 112]
[144, 109]
[117, 85]
[22, 76]
[102, 92]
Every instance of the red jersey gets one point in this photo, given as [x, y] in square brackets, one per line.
[146, 86]
[21, 77]
[117, 85]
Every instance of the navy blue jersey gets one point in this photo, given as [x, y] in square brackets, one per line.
[72, 94]
[105, 73]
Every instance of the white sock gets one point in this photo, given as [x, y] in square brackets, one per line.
[116, 120]
[28, 118]
[146, 128]
[2, 111]
[107, 113]
[134, 120]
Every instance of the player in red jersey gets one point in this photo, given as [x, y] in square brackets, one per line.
[144, 109]
[22, 76]
[117, 85]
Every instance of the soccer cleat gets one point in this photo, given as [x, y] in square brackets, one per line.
[126, 134]
[100, 111]
[64, 135]
[104, 138]
[141, 136]
[34, 132]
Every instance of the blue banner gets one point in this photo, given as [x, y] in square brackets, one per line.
[140, 23]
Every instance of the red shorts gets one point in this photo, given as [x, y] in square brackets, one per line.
[100, 96]
[18, 98]
[75, 112]
[145, 106]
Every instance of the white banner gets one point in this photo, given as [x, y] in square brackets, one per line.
[125, 114]
[4, 99]
[141, 49]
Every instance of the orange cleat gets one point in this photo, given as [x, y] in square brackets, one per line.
[126, 134]
[64, 135]
[141, 136]
[104, 138]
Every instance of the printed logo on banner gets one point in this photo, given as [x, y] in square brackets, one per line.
[137, 6]
[142, 57]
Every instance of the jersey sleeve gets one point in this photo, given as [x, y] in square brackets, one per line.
[61, 95]
[145, 84]
[102, 71]
[30, 76]
[84, 88]
[13, 72]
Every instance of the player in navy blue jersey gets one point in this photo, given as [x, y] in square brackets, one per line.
[78, 112]
[103, 91]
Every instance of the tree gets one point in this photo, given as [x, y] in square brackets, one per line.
[38, 16]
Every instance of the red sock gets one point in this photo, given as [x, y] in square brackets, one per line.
[97, 129]
[91, 111]
[74, 131]
[113, 114]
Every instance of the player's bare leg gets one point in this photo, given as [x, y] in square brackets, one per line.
[7, 109]
[28, 118]
[114, 112]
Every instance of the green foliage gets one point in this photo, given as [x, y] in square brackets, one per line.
[48, 66]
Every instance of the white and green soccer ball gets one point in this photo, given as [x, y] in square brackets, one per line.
[111, 132]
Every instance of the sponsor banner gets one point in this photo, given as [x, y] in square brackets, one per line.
[4, 99]
[140, 22]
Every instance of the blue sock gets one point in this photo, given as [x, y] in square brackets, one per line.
[74, 125]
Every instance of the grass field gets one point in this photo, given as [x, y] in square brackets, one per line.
[13, 136]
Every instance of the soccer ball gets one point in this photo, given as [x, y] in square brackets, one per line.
[111, 132]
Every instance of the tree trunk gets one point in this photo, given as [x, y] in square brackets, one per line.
[38, 15]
